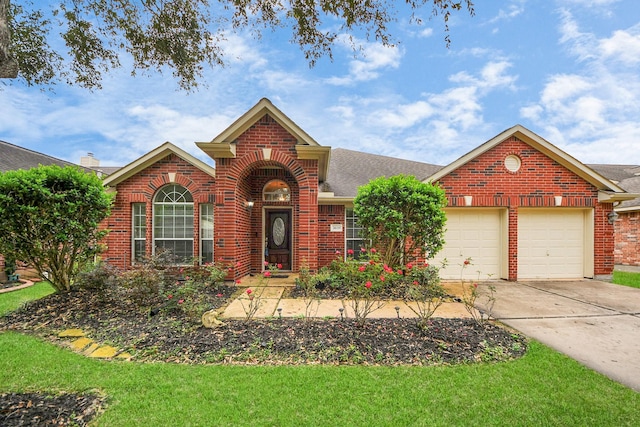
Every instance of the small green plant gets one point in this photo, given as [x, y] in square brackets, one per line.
[425, 292]
[308, 284]
[142, 284]
[472, 298]
[10, 265]
[255, 298]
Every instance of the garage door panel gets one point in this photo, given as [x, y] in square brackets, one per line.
[474, 234]
[551, 244]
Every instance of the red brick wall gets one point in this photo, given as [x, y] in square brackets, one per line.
[141, 188]
[239, 234]
[627, 249]
[330, 242]
[534, 185]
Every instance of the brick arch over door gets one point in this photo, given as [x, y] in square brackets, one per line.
[238, 229]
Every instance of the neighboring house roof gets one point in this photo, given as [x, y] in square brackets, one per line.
[13, 157]
[627, 177]
[616, 173]
[152, 157]
[609, 191]
[223, 145]
[106, 170]
[350, 169]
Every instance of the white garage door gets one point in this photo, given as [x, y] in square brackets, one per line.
[551, 243]
[476, 234]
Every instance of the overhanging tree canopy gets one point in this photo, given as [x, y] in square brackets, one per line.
[49, 218]
[402, 216]
[183, 35]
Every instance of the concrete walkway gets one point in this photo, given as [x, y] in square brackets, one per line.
[593, 322]
[272, 304]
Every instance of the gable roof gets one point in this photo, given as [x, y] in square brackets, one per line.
[13, 157]
[350, 169]
[223, 145]
[151, 158]
[627, 177]
[609, 192]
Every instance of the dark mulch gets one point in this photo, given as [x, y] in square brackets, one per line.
[36, 409]
[169, 337]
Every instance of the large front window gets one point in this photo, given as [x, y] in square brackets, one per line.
[173, 222]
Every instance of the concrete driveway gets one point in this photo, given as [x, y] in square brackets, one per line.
[593, 322]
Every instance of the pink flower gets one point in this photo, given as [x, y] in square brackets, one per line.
[475, 285]
[266, 263]
[410, 266]
[349, 251]
[169, 296]
[363, 249]
[415, 282]
[180, 301]
[267, 273]
[279, 266]
[238, 281]
[368, 284]
[382, 278]
[373, 250]
[399, 271]
[181, 270]
[249, 291]
[362, 268]
[337, 252]
[219, 295]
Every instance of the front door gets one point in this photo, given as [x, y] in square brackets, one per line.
[278, 238]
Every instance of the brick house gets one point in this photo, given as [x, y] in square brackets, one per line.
[627, 224]
[517, 205]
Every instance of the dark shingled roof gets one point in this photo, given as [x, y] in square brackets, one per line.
[350, 169]
[13, 157]
[626, 176]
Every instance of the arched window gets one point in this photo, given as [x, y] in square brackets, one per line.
[173, 222]
[276, 191]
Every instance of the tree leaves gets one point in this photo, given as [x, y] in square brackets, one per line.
[402, 216]
[50, 217]
[186, 35]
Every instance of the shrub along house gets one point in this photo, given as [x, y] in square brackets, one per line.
[517, 205]
[13, 157]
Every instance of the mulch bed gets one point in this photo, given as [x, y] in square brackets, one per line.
[169, 337]
[36, 409]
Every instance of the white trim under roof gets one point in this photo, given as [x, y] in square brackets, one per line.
[151, 158]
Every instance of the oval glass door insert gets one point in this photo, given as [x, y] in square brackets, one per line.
[278, 231]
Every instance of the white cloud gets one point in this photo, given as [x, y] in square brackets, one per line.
[623, 46]
[592, 113]
[512, 11]
[374, 58]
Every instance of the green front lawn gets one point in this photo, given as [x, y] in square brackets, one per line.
[542, 388]
[627, 279]
[9, 301]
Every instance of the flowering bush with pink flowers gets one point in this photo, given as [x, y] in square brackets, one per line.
[368, 279]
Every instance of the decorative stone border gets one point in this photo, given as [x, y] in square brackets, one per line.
[25, 284]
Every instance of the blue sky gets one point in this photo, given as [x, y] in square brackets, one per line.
[568, 70]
